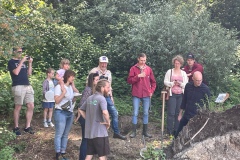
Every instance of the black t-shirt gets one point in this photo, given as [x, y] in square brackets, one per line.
[22, 77]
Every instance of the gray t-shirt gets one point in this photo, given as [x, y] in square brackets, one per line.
[93, 106]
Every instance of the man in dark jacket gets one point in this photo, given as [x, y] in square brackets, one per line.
[196, 94]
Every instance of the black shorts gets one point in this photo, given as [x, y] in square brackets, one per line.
[99, 146]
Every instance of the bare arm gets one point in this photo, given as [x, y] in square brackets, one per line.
[83, 113]
[17, 70]
[106, 116]
[60, 97]
[30, 66]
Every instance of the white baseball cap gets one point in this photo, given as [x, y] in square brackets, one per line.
[103, 59]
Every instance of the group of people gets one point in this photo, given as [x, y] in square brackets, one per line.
[97, 103]
[186, 92]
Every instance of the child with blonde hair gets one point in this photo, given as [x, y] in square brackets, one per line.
[48, 98]
[64, 65]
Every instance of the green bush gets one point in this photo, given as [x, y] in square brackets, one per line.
[6, 99]
[7, 153]
[6, 149]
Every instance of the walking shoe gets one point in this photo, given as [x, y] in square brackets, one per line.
[17, 131]
[119, 136]
[51, 124]
[45, 124]
[29, 130]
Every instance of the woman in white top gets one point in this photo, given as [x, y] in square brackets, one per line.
[63, 114]
[175, 79]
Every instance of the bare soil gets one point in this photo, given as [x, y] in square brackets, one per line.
[41, 145]
[219, 124]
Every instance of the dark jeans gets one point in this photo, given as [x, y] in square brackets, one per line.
[183, 122]
[113, 113]
[173, 108]
[83, 146]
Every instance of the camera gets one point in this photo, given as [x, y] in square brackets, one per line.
[28, 57]
[103, 77]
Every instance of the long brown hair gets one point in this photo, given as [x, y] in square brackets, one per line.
[91, 78]
[68, 74]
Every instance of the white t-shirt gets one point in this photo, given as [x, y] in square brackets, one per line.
[68, 96]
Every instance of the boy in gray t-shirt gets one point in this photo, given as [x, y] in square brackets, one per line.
[94, 111]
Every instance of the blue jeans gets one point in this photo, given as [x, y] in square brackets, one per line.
[83, 146]
[63, 123]
[113, 113]
[136, 102]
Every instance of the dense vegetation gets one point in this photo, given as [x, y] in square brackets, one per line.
[84, 30]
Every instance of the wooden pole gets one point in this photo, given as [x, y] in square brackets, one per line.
[163, 108]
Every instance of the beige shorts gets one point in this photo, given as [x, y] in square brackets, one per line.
[23, 93]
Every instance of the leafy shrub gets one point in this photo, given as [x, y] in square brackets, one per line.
[7, 153]
[6, 150]
[6, 98]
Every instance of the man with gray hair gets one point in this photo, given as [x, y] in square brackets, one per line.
[104, 73]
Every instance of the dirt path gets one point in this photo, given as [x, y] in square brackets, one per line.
[41, 145]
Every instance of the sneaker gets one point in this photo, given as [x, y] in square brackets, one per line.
[17, 131]
[29, 130]
[51, 124]
[45, 124]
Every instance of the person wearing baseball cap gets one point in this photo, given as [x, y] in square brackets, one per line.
[192, 66]
[104, 73]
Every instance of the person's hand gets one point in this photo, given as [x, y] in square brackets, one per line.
[143, 74]
[30, 60]
[24, 58]
[150, 95]
[112, 99]
[179, 117]
[107, 124]
[177, 83]
[189, 74]
[76, 119]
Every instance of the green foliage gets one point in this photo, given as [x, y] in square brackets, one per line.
[180, 29]
[154, 153]
[7, 153]
[6, 150]
[6, 99]
[226, 12]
